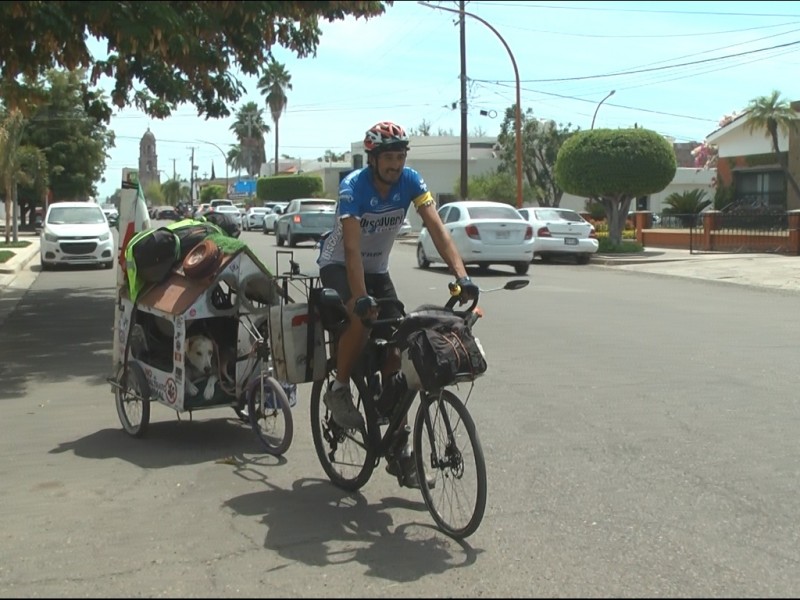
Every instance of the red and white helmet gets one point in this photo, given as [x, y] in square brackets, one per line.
[385, 136]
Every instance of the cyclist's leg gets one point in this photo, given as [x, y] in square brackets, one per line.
[349, 346]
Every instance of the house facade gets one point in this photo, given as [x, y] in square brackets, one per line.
[749, 173]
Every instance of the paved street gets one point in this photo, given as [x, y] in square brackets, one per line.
[639, 432]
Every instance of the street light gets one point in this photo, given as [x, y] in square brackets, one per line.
[611, 93]
[518, 116]
[225, 160]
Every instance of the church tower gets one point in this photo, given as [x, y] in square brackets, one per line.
[148, 160]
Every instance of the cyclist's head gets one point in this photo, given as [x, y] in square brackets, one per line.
[386, 144]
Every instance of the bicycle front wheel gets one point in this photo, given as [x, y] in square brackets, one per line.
[449, 456]
[270, 414]
[346, 455]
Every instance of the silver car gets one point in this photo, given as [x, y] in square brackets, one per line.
[305, 219]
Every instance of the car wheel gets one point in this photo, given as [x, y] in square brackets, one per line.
[46, 266]
[290, 238]
[278, 238]
[521, 268]
[422, 260]
[583, 259]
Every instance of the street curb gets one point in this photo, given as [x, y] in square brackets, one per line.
[21, 258]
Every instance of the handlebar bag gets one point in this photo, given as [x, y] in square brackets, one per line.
[442, 355]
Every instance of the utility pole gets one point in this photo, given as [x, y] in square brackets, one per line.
[464, 138]
[174, 173]
[191, 178]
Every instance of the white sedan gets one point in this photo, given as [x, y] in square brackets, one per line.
[561, 232]
[485, 233]
[254, 217]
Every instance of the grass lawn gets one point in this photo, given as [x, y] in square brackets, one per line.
[5, 254]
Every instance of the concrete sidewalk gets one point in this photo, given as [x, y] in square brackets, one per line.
[772, 271]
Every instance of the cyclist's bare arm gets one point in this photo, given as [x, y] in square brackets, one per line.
[441, 239]
[351, 233]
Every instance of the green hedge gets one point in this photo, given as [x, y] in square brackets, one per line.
[282, 188]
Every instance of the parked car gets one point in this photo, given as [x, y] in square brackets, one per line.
[220, 202]
[111, 213]
[229, 221]
[561, 232]
[405, 228]
[167, 213]
[75, 233]
[485, 233]
[254, 217]
[305, 219]
[276, 210]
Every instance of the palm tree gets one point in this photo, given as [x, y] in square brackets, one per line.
[236, 159]
[10, 137]
[686, 205]
[273, 84]
[250, 129]
[174, 192]
[771, 114]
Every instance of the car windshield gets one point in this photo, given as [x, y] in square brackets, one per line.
[493, 212]
[321, 205]
[227, 208]
[76, 215]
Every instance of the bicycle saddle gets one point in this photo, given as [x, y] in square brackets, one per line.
[329, 305]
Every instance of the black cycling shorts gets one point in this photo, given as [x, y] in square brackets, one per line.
[379, 285]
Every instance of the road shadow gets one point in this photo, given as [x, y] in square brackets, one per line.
[57, 335]
[318, 525]
[170, 443]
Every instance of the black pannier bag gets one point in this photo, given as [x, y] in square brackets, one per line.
[155, 255]
[440, 351]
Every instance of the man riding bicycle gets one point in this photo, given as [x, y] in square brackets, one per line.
[354, 259]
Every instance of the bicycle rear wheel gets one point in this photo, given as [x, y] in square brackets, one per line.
[270, 414]
[448, 451]
[345, 454]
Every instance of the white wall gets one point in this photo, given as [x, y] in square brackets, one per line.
[685, 180]
[739, 141]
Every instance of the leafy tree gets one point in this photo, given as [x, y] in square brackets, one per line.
[541, 142]
[615, 166]
[160, 54]
[250, 129]
[686, 205]
[273, 85]
[331, 157]
[209, 192]
[33, 182]
[11, 132]
[73, 142]
[154, 194]
[174, 192]
[771, 114]
[500, 187]
[423, 129]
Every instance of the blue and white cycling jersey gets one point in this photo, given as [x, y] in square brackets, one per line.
[380, 219]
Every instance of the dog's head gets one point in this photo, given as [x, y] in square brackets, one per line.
[200, 353]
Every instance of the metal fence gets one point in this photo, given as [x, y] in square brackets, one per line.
[741, 233]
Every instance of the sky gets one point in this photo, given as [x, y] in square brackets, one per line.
[675, 67]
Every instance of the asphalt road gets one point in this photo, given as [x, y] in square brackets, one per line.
[640, 434]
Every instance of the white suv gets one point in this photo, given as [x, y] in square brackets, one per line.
[76, 233]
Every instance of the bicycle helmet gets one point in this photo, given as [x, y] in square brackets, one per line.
[385, 136]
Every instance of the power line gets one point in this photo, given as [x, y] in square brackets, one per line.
[634, 72]
[518, 5]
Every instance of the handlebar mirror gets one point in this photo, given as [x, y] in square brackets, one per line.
[516, 284]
